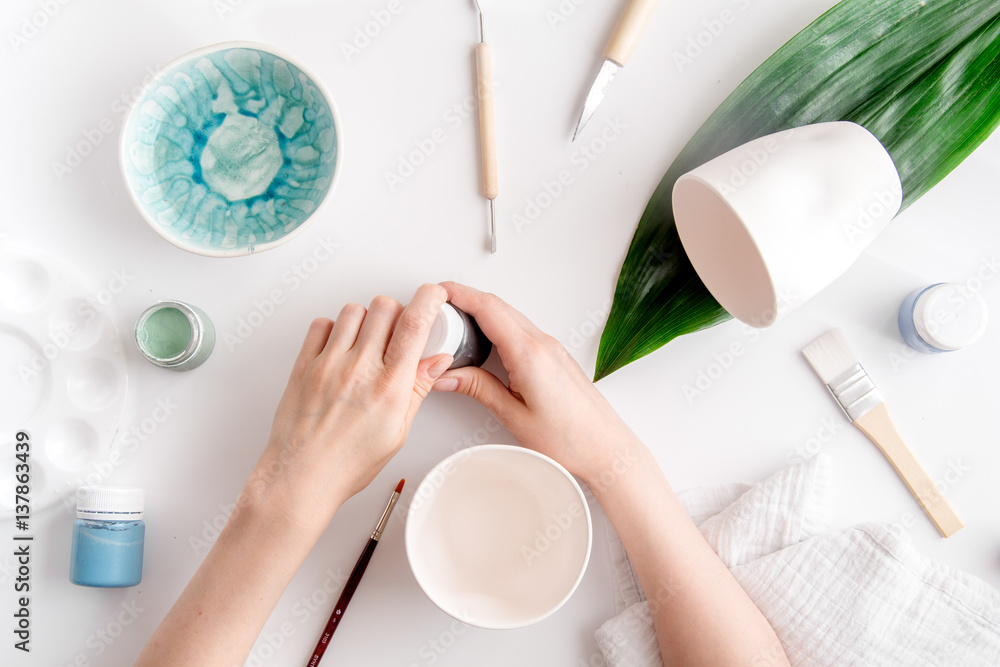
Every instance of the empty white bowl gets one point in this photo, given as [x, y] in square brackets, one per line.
[498, 536]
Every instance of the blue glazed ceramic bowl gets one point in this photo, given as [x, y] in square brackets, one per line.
[230, 149]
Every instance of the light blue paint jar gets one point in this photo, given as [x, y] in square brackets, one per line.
[942, 318]
[108, 537]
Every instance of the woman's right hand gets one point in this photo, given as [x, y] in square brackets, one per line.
[551, 406]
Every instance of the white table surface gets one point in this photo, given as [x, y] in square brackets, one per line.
[80, 71]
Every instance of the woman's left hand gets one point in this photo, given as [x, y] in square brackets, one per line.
[351, 398]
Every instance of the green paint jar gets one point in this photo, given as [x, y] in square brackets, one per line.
[175, 335]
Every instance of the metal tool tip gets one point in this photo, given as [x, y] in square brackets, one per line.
[482, 30]
[493, 229]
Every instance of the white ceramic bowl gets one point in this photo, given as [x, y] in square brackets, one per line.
[498, 536]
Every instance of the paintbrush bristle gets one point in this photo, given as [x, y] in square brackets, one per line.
[399, 487]
[829, 355]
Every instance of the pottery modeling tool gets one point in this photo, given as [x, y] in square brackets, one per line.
[354, 580]
[835, 364]
[487, 125]
[626, 35]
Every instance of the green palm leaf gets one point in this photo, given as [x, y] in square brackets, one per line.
[923, 77]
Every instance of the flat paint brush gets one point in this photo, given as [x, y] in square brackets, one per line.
[836, 365]
[354, 580]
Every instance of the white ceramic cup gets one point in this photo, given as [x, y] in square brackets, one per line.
[498, 536]
[772, 222]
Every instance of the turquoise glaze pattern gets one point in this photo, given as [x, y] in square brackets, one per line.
[229, 150]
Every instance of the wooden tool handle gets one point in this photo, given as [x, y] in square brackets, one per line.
[878, 426]
[487, 127]
[630, 26]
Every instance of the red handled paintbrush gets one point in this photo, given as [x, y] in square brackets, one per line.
[354, 580]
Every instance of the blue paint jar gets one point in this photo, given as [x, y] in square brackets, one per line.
[108, 537]
[942, 318]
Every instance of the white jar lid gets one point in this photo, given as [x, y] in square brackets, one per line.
[949, 316]
[446, 333]
[110, 503]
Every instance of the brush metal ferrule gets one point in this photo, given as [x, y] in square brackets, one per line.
[855, 392]
[377, 533]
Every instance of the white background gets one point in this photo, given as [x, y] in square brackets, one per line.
[82, 68]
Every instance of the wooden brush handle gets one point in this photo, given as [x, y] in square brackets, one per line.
[878, 426]
[487, 126]
[628, 29]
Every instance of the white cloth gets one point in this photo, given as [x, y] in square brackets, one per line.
[863, 596]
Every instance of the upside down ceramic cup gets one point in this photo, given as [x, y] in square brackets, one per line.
[771, 223]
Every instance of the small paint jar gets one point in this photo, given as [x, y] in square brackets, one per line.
[175, 335]
[455, 332]
[108, 537]
[942, 318]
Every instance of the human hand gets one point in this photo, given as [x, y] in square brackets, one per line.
[351, 398]
[551, 406]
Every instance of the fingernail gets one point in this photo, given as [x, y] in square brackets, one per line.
[446, 384]
[439, 367]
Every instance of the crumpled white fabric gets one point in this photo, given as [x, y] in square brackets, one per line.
[862, 596]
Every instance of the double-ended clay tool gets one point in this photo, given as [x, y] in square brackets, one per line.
[835, 364]
[487, 125]
[626, 35]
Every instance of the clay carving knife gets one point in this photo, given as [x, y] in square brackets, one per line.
[626, 35]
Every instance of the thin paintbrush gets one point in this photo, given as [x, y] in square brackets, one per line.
[354, 580]
[835, 364]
